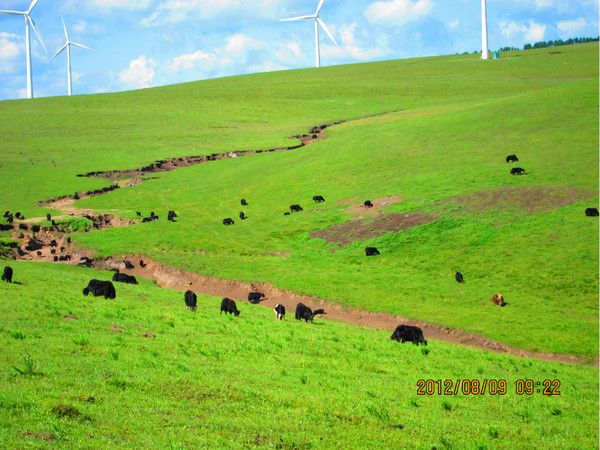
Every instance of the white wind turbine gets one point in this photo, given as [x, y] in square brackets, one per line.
[67, 45]
[484, 33]
[28, 23]
[318, 22]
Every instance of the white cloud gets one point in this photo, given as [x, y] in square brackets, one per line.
[239, 43]
[121, 4]
[453, 24]
[268, 66]
[82, 26]
[199, 60]
[348, 47]
[139, 73]
[531, 32]
[289, 51]
[398, 11]
[569, 28]
[11, 46]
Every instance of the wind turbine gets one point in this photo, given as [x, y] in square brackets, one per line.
[318, 22]
[484, 33]
[28, 23]
[67, 46]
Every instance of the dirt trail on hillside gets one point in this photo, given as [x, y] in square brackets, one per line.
[52, 244]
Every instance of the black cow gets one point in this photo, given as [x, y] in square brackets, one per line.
[368, 204]
[100, 288]
[228, 306]
[243, 215]
[139, 214]
[279, 311]
[142, 263]
[371, 251]
[228, 221]
[243, 202]
[408, 333]
[255, 297]
[511, 158]
[459, 277]
[5, 227]
[48, 217]
[6, 214]
[128, 265]
[23, 227]
[517, 171]
[171, 216]
[191, 300]
[10, 219]
[591, 212]
[146, 220]
[35, 228]
[34, 245]
[296, 208]
[124, 278]
[53, 243]
[7, 274]
[287, 213]
[18, 215]
[318, 198]
[303, 312]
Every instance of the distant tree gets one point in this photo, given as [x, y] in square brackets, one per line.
[527, 47]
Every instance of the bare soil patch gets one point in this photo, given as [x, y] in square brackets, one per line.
[363, 229]
[357, 206]
[529, 199]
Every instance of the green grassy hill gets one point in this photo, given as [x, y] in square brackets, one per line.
[143, 372]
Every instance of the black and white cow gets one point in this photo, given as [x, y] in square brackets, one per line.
[279, 311]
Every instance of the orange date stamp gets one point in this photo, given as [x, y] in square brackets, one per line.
[486, 387]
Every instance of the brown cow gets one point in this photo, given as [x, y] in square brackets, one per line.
[498, 300]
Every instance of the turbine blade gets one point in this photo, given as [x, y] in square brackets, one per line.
[37, 33]
[65, 28]
[33, 3]
[58, 52]
[326, 30]
[15, 13]
[297, 18]
[82, 46]
[319, 6]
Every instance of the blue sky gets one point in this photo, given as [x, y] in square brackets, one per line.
[142, 43]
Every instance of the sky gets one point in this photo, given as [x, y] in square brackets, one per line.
[146, 43]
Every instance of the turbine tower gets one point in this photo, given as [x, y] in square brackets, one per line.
[67, 46]
[28, 23]
[318, 23]
[484, 33]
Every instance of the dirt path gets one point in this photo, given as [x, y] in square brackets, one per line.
[56, 246]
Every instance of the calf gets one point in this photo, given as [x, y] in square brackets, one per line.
[303, 312]
[190, 300]
[511, 158]
[228, 306]
[124, 278]
[7, 274]
[244, 202]
[142, 263]
[459, 277]
[318, 198]
[228, 221]
[128, 265]
[368, 204]
[171, 216]
[296, 208]
[243, 216]
[279, 311]
[591, 212]
[497, 299]
[517, 171]
[371, 251]
[408, 333]
[255, 297]
[287, 213]
[100, 288]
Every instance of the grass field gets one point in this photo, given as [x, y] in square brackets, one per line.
[455, 120]
[77, 372]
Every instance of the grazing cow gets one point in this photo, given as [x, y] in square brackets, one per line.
[303, 312]
[124, 278]
[171, 216]
[100, 288]
[6, 214]
[511, 158]
[296, 208]
[243, 202]
[48, 217]
[68, 240]
[53, 252]
[286, 213]
[38, 253]
[34, 245]
[7, 274]
[142, 263]
[228, 221]
[497, 299]
[53, 243]
[128, 265]
[408, 333]
[64, 258]
[190, 300]
[279, 311]
[228, 306]
[255, 297]
[18, 215]
[146, 220]
[5, 227]
[243, 216]
[368, 204]
[591, 212]
[318, 198]
[459, 277]
[517, 171]
[152, 215]
[10, 219]
[371, 251]
[139, 214]
[35, 228]
[55, 259]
